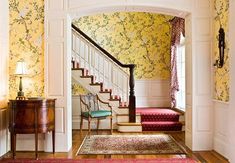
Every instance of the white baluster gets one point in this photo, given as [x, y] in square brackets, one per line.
[101, 67]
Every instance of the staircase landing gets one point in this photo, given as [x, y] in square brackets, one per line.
[159, 119]
[155, 119]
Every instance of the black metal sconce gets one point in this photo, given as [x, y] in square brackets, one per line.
[221, 45]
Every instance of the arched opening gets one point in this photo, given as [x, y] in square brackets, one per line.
[140, 38]
[198, 49]
[102, 10]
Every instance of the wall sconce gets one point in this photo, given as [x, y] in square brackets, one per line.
[20, 71]
[221, 45]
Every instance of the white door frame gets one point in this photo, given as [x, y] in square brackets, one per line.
[58, 16]
[4, 50]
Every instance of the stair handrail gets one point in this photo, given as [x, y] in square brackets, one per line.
[132, 99]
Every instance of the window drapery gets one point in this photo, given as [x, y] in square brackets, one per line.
[177, 28]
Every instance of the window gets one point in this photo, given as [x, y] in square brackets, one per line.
[180, 95]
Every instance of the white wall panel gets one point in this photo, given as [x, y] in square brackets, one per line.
[152, 93]
[25, 142]
[55, 69]
[203, 61]
[203, 26]
[203, 116]
[54, 5]
[3, 132]
[55, 28]
[59, 121]
[202, 112]
[221, 127]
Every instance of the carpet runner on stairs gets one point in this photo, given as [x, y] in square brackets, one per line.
[159, 119]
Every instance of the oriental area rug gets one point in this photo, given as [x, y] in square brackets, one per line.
[130, 144]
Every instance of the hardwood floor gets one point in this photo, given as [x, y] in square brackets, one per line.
[204, 156]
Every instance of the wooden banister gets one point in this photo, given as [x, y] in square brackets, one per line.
[132, 101]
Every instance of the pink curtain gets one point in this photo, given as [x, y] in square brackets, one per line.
[177, 29]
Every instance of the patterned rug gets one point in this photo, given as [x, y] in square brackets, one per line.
[158, 160]
[130, 144]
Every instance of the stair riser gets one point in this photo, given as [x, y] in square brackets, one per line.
[125, 118]
[114, 103]
[105, 96]
[77, 72]
[86, 80]
[182, 118]
[161, 127]
[122, 111]
[129, 128]
[151, 118]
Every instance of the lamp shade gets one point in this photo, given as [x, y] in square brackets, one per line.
[20, 68]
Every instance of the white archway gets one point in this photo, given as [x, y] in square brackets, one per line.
[58, 16]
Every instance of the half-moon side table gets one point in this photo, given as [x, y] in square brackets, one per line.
[31, 117]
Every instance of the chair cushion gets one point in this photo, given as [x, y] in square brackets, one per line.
[97, 114]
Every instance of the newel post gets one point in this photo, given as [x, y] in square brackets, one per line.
[132, 107]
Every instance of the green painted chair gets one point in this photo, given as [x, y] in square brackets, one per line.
[91, 109]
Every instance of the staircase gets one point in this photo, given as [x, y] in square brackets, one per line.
[100, 73]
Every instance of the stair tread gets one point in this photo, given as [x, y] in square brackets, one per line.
[105, 92]
[86, 76]
[77, 68]
[96, 84]
[156, 111]
[181, 112]
[123, 107]
[113, 99]
[128, 124]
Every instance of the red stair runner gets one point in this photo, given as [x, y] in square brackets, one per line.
[159, 119]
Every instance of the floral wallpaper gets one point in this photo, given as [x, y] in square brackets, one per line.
[26, 42]
[133, 37]
[221, 77]
[77, 89]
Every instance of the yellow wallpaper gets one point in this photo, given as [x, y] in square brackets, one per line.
[221, 76]
[77, 89]
[133, 37]
[26, 41]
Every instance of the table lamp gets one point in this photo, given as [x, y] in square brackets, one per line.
[20, 71]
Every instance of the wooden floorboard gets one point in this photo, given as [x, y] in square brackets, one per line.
[204, 156]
